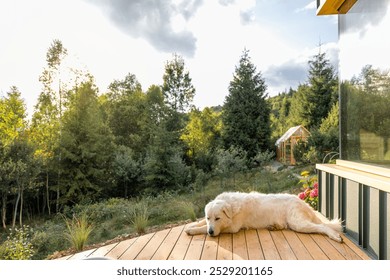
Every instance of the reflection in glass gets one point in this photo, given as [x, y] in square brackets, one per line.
[365, 88]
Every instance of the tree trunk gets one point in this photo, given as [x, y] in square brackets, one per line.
[16, 209]
[21, 207]
[4, 210]
[47, 192]
[58, 199]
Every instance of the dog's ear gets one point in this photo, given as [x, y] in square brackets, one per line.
[227, 210]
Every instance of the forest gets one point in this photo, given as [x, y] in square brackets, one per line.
[83, 146]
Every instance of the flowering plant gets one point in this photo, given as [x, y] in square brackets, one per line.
[309, 189]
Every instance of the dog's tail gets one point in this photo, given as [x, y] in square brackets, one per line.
[335, 224]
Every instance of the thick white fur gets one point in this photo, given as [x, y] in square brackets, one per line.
[231, 211]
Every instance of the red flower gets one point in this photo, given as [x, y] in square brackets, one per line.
[314, 193]
[302, 195]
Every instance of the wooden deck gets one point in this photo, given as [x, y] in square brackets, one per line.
[175, 244]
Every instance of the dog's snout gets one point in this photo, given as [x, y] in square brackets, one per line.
[211, 232]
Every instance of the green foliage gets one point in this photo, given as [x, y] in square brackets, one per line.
[127, 113]
[86, 147]
[126, 169]
[313, 100]
[164, 167]
[177, 87]
[280, 114]
[122, 88]
[18, 245]
[48, 238]
[245, 116]
[201, 135]
[230, 161]
[79, 230]
[263, 158]
[12, 116]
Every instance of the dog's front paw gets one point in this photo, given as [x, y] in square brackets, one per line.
[190, 231]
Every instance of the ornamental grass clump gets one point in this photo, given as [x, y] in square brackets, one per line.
[79, 230]
[140, 217]
[309, 189]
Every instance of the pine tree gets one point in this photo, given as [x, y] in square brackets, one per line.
[86, 146]
[246, 115]
[314, 99]
[177, 87]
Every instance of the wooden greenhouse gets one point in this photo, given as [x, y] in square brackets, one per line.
[285, 144]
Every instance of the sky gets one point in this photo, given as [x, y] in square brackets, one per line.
[111, 38]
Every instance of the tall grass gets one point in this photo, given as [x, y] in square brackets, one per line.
[139, 217]
[79, 230]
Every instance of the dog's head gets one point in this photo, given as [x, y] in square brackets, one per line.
[218, 216]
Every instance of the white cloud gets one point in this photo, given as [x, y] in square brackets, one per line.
[310, 6]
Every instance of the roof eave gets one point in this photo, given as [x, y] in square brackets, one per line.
[334, 7]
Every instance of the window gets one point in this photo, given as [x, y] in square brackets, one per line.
[365, 82]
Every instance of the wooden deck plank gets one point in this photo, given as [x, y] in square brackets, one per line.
[180, 249]
[344, 250]
[225, 247]
[240, 251]
[64, 258]
[82, 255]
[284, 249]
[268, 245]
[296, 245]
[255, 252]
[168, 244]
[103, 251]
[355, 248]
[312, 247]
[195, 248]
[132, 252]
[153, 244]
[210, 248]
[118, 250]
[326, 247]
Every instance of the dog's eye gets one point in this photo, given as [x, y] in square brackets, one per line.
[217, 219]
[207, 218]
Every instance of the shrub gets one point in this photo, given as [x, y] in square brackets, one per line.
[231, 160]
[79, 230]
[49, 238]
[18, 245]
[263, 158]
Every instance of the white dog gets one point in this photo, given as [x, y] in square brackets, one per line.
[231, 211]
